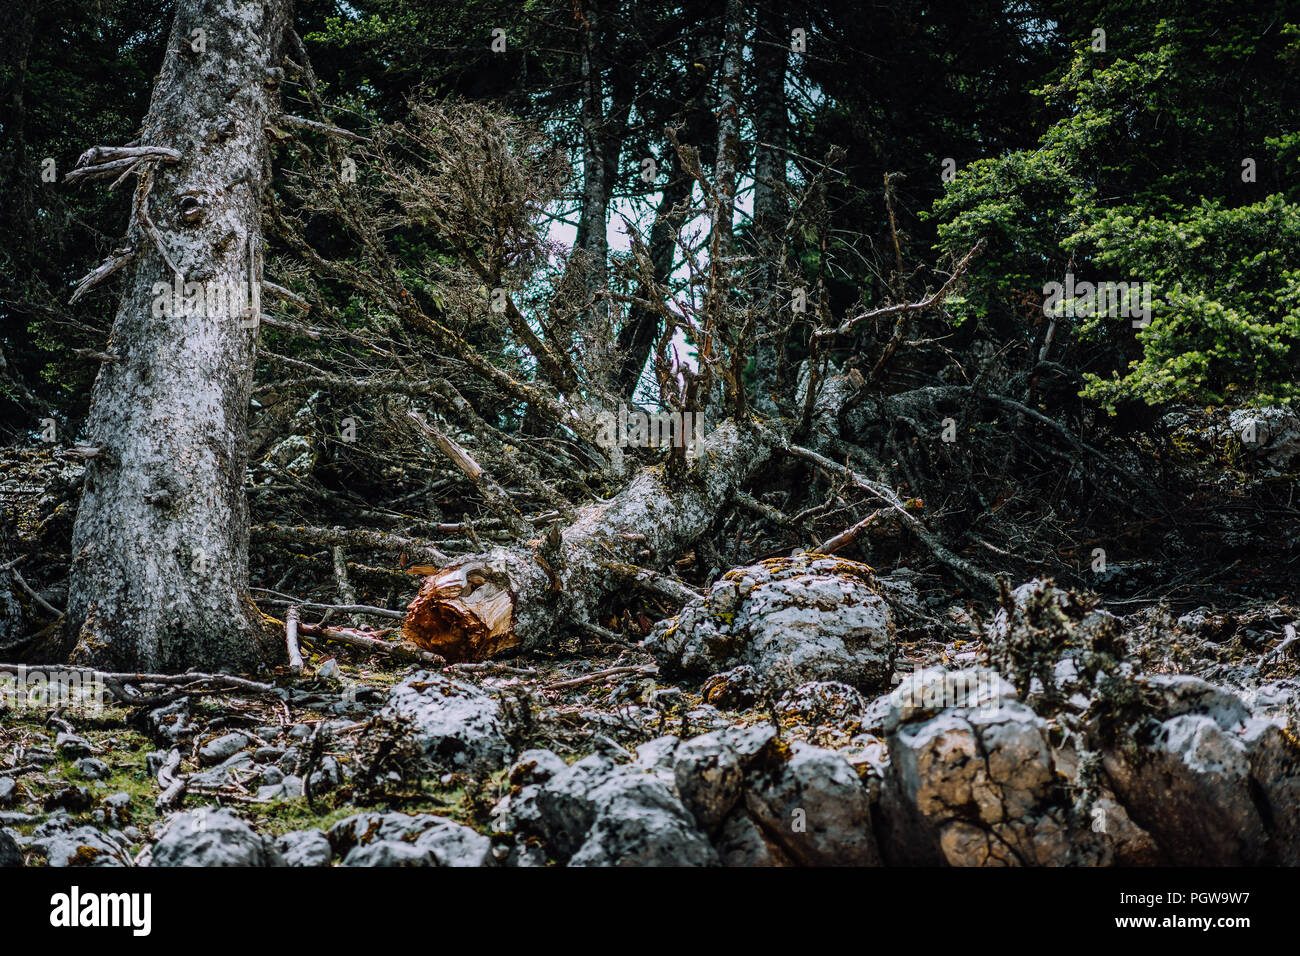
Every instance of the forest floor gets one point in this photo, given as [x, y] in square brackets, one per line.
[803, 710]
[86, 786]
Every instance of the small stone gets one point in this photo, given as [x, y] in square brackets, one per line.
[536, 766]
[73, 746]
[117, 808]
[305, 848]
[329, 670]
[92, 769]
[10, 854]
[7, 789]
[222, 748]
[326, 776]
[289, 762]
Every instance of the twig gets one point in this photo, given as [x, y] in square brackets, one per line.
[648, 670]
[285, 119]
[329, 537]
[278, 323]
[291, 639]
[280, 292]
[491, 667]
[346, 594]
[653, 581]
[142, 211]
[888, 495]
[1291, 637]
[173, 785]
[361, 642]
[848, 325]
[22, 583]
[190, 677]
[340, 608]
[848, 535]
[494, 495]
[101, 272]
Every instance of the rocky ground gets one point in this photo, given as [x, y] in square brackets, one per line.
[804, 711]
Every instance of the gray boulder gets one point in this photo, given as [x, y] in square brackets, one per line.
[92, 769]
[566, 809]
[83, 846]
[1213, 784]
[816, 808]
[741, 842]
[222, 748]
[793, 620]
[305, 848]
[403, 839]
[710, 769]
[212, 837]
[972, 780]
[536, 766]
[455, 726]
[71, 745]
[1271, 434]
[640, 822]
[822, 702]
[10, 853]
[601, 813]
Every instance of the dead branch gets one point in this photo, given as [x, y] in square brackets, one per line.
[963, 567]
[848, 325]
[647, 670]
[494, 495]
[117, 260]
[330, 537]
[299, 122]
[340, 608]
[653, 581]
[364, 642]
[112, 678]
[848, 535]
[291, 639]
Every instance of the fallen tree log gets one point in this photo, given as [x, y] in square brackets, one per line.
[508, 598]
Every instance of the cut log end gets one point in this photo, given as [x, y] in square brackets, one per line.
[465, 613]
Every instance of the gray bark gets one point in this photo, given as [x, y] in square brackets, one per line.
[595, 200]
[722, 238]
[769, 182]
[160, 545]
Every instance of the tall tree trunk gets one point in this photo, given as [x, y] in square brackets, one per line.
[595, 195]
[770, 56]
[722, 238]
[638, 334]
[160, 545]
